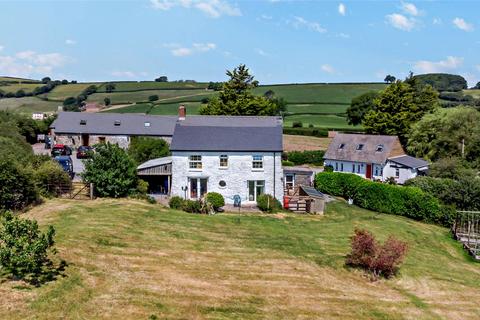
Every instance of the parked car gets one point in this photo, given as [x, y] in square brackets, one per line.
[48, 142]
[61, 150]
[84, 152]
[67, 164]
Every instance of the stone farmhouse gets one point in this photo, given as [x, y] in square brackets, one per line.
[374, 157]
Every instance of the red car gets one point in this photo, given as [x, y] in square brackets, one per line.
[84, 152]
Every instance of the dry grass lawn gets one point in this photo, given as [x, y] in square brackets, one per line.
[303, 143]
[132, 260]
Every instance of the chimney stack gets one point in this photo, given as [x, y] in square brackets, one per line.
[182, 112]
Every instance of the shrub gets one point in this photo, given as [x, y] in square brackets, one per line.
[410, 202]
[153, 98]
[142, 149]
[287, 163]
[306, 157]
[176, 202]
[17, 188]
[311, 125]
[268, 203]
[112, 172]
[381, 260]
[306, 132]
[51, 180]
[24, 248]
[192, 206]
[215, 199]
[297, 124]
[328, 169]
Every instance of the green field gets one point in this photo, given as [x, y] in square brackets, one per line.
[28, 105]
[131, 260]
[158, 109]
[141, 96]
[61, 92]
[473, 92]
[319, 121]
[14, 79]
[152, 85]
[14, 87]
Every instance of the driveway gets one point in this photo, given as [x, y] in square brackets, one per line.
[78, 167]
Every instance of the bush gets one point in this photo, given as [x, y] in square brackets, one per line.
[176, 202]
[17, 188]
[192, 206]
[153, 98]
[297, 124]
[142, 187]
[381, 260]
[287, 163]
[24, 249]
[51, 180]
[215, 199]
[112, 172]
[268, 203]
[142, 149]
[306, 132]
[306, 157]
[410, 202]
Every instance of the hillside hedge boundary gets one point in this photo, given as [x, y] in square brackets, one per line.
[410, 202]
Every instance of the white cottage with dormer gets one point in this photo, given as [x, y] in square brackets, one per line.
[231, 155]
[374, 157]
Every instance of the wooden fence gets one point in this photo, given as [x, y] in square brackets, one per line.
[466, 229]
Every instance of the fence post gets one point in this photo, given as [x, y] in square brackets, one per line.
[91, 191]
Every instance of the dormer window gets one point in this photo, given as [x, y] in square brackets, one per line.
[83, 122]
[341, 146]
[379, 148]
[146, 124]
[360, 147]
[116, 123]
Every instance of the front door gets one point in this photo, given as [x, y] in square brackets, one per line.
[198, 187]
[85, 140]
[369, 171]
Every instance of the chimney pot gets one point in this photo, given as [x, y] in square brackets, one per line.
[182, 112]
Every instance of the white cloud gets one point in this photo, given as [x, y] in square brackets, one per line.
[314, 26]
[1, 48]
[328, 68]
[70, 42]
[179, 51]
[28, 63]
[266, 17]
[343, 35]
[124, 74]
[437, 21]
[400, 21]
[410, 9]
[342, 9]
[449, 64]
[212, 8]
[262, 52]
[462, 24]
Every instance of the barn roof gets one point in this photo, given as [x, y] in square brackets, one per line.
[113, 124]
[228, 133]
[409, 161]
[363, 148]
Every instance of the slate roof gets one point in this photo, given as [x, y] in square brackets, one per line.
[104, 123]
[312, 192]
[155, 163]
[368, 154]
[409, 161]
[228, 133]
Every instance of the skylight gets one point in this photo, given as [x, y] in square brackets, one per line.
[379, 148]
[360, 147]
[117, 123]
[146, 124]
[341, 146]
[83, 122]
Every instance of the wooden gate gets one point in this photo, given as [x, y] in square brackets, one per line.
[77, 190]
[466, 229]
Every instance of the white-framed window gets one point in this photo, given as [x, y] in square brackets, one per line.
[255, 188]
[257, 162]
[195, 161]
[223, 161]
[358, 168]
[397, 173]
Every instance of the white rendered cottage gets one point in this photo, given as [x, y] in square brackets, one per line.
[375, 157]
[229, 155]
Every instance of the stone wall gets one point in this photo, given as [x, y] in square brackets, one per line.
[236, 175]
[75, 140]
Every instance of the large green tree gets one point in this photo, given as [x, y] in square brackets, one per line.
[399, 106]
[142, 149]
[446, 133]
[236, 97]
[360, 106]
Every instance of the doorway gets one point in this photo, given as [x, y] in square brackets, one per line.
[369, 171]
[255, 188]
[198, 187]
[85, 139]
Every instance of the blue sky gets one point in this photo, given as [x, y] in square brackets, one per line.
[281, 41]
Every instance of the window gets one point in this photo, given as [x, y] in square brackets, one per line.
[341, 166]
[197, 185]
[255, 188]
[146, 124]
[360, 147]
[353, 168]
[289, 181]
[336, 166]
[379, 148]
[257, 162]
[83, 122]
[222, 184]
[397, 173]
[358, 168]
[223, 161]
[341, 146]
[195, 162]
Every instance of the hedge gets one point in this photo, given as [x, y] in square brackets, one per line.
[306, 132]
[410, 202]
[305, 157]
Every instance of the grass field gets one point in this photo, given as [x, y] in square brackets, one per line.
[302, 143]
[14, 79]
[14, 87]
[319, 121]
[152, 85]
[473, 92]
[158, 109]
[131, 260]
[141, 96]
[28, 105]
[64, 91]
